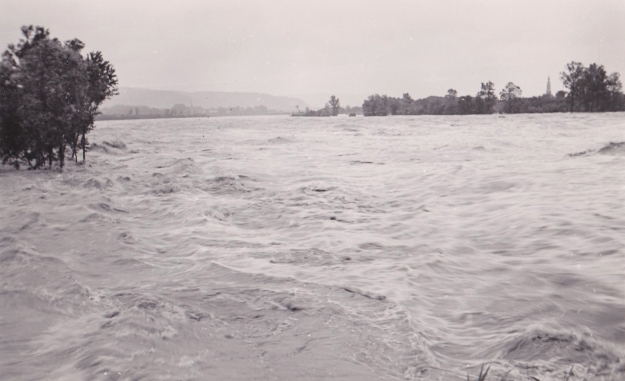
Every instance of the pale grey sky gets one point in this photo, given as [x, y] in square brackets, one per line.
[313, 49]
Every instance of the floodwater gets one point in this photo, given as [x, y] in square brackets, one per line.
[279, 248]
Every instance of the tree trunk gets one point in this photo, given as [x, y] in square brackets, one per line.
[76, 147]
[83, 147]
[74, 144]
[62, 154]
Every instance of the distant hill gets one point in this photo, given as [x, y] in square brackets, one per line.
[206, 99]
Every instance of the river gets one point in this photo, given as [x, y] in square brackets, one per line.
[279, 248]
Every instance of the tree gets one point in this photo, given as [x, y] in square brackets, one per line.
[325, 111]
[101, 85]
[451, 102]
[44, 70]
[335, 104]
[404, 104]
[614, 87]
[510, 95]
[451, 94]
[573, 80]
[486, 98]
[50, 95]
[372, 106]
[76, 83]
[595, 95]
[13, 140]
[466, 105]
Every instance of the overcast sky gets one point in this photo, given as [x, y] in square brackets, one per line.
[313, 49]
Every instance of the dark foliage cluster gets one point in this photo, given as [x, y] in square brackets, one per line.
[591, 89]
[484, 102]
[49, 97]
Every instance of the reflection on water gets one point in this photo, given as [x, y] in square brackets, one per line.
[332, 248]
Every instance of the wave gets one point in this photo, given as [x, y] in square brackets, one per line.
[611, 148]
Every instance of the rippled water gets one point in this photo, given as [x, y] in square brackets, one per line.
[276, 248]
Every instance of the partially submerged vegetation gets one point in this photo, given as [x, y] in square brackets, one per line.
[591, 89]
[49, 98]
[331, 108]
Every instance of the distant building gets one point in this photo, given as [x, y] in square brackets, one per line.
[548, 93]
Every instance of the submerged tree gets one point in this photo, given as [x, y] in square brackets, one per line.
[335, 104]
[451, 102]
[486, 98]
[49, 97]
[376, 105]
[591, 89]
[510, 95]
[101, 85]
[595, 94]
[13, 141]
[573, 80]
[466, 105]
[614, 87]
[43, 71]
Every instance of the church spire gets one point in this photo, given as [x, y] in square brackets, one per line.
[548, 93]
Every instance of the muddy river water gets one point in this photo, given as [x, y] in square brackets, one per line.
[279, 248]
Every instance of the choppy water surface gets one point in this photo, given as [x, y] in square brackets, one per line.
[276, 248]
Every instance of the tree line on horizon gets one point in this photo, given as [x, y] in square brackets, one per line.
[590, 89]
[49, 97]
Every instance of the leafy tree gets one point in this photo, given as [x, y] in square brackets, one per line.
[101, 85]
[376, 105]
[436, 106]
[50, 95]
[573, 80]
[451, 102]
[466, 105]
[595, 95]
[510, 94]
[76, 83]
[614, 87]
[486, 98]
[44, 72]
[335, 104]
[479, 106]
[13, 141]
[405, 104]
